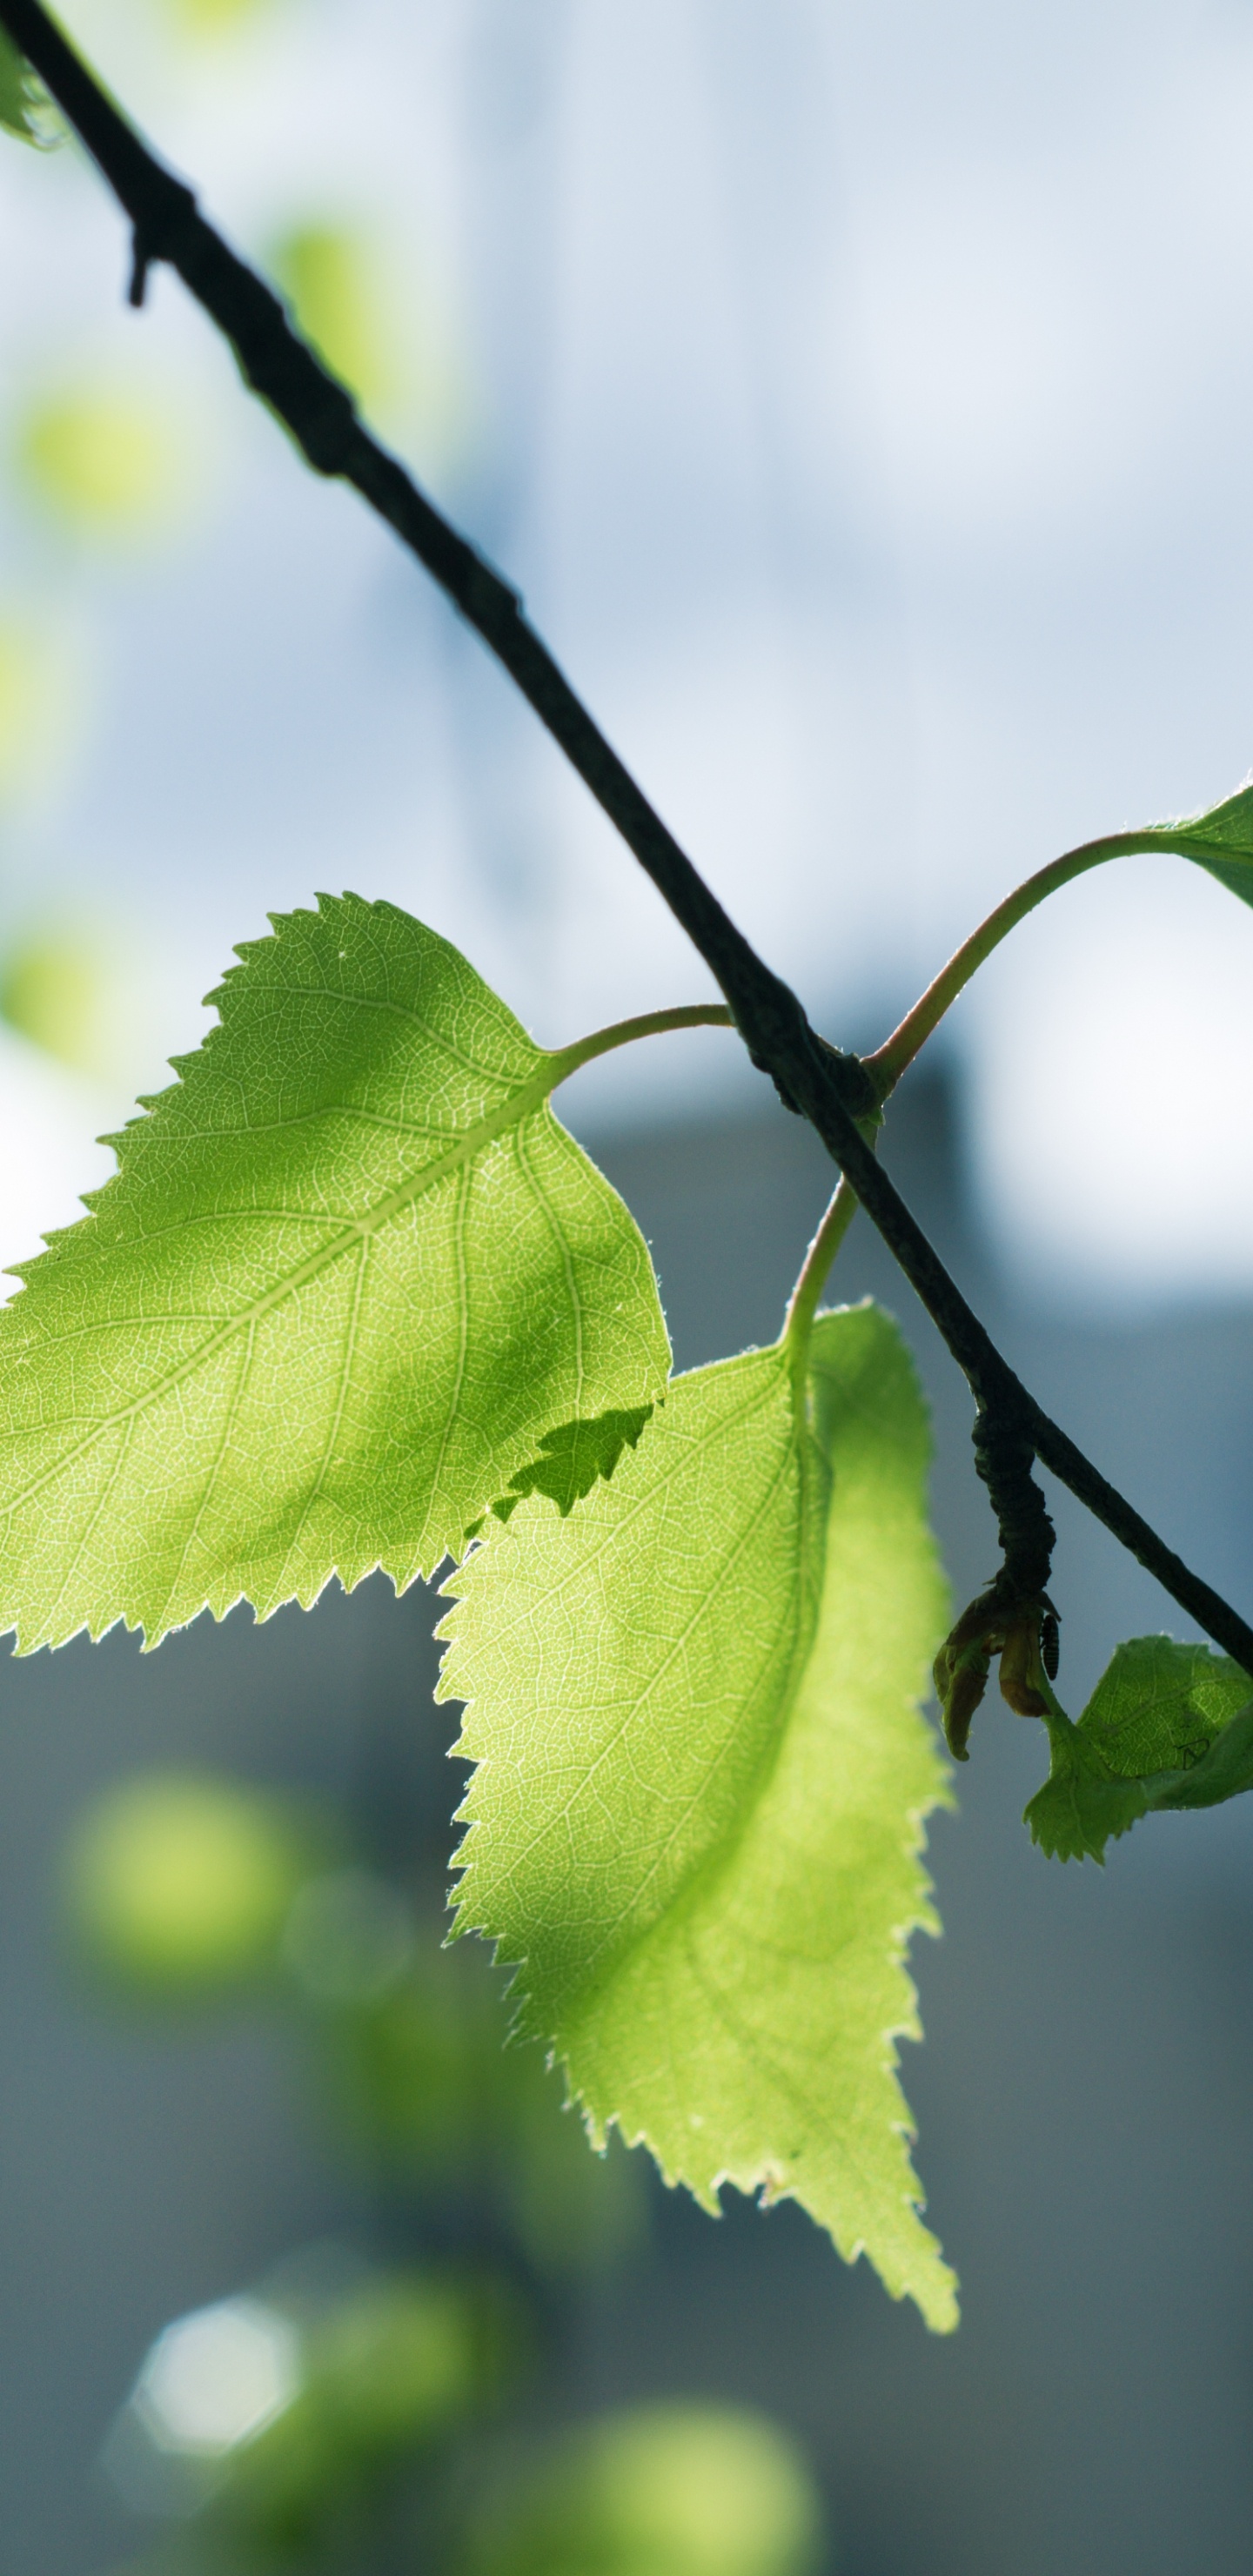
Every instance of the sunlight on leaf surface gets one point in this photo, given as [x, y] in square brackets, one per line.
[702, 1779]
[350, 1271]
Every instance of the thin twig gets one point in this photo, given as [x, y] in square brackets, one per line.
[831, 1090]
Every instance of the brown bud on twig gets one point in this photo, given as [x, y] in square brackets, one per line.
[1024, 1636]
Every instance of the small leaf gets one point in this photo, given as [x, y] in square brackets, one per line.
[1168, 1725]
[702, 1777]
[349, 1274]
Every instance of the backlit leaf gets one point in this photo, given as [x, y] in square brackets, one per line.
[350, 1273]
[702, 1777]
[1168, 1725]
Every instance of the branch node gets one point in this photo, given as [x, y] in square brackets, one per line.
[1013, 1617]
[855, 1082]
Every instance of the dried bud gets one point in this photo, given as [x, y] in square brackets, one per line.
[960, 1692]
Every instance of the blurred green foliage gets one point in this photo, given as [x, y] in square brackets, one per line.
[416, 2074]
[215, 17]
[66, 992]
[105, 460]
[50, 992]
[179, 1887]
[393, 2368]
[675, 2490]
[36, 698]
[338, 2417]
[330, 278]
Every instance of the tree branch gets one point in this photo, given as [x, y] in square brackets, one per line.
[828, 1088]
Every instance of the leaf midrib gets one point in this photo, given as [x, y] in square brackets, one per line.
[804, 1450]
[720, 1851]
[561, 1815]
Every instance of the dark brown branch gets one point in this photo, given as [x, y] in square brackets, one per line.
[827, 1088]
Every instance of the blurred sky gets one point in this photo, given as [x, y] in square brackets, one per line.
[860, 395]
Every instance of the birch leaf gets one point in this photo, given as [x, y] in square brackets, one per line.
[349, 1275]
[1168, 1725]
[702, 1775]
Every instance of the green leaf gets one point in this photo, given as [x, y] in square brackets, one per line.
[17, 92]
[1160, 1705]
[1168, 1725]
[1082, 1805]
[350, 1273]
[1220, 841]
[702, 1778]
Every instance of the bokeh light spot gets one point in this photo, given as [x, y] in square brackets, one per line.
[106, 462]
[214, 2379]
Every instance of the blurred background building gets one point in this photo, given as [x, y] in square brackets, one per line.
[859, 396]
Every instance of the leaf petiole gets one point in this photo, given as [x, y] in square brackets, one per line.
[802, 1305]
[897, 1053]
[649, 1024]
